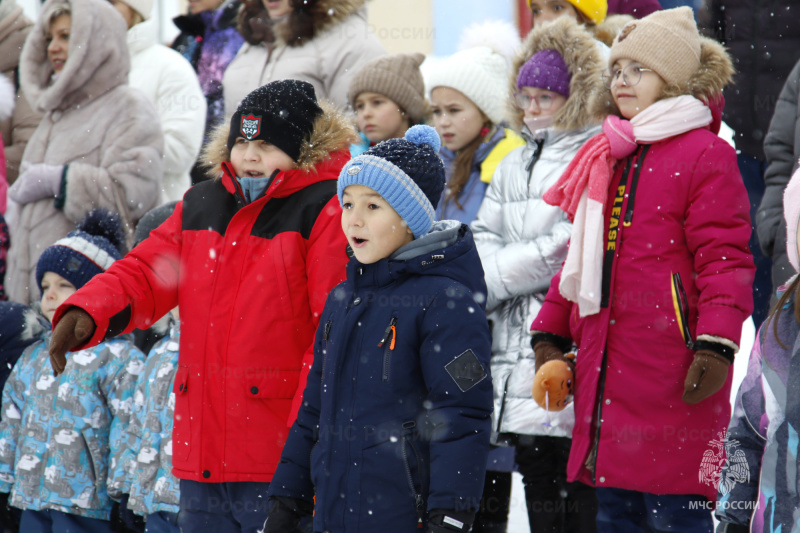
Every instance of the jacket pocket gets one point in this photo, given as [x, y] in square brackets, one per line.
[415, 477]
[326, 335]
[181, 429]
[387, 343]
[393, 476]
[96, 469]
[267, 403]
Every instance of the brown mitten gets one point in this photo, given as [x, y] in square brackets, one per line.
[707, 375]
[74, 328]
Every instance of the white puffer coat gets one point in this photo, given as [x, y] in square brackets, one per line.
[522, 240]
[171, 84]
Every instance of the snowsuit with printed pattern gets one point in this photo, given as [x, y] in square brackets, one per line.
[58, 435]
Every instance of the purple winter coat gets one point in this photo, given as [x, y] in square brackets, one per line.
[209, 41]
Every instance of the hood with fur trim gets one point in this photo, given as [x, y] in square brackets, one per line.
[585, 61]
[310, 17]
[98, 57]
[715, 72]
[331, 132]
[607, 31]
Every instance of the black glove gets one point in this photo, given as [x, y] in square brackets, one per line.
[285, 514]
[443, 521]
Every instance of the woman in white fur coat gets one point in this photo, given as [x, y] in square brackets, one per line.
[98, 145]
[170, 82]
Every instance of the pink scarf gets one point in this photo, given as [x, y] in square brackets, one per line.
[582, 190]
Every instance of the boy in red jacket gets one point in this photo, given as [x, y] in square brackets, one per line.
[249, 257]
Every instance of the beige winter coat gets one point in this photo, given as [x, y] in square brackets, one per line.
[17, 129]
[107, 133]
[326, 48]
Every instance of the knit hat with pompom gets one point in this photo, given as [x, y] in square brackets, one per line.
[407, 173]
[85, 252]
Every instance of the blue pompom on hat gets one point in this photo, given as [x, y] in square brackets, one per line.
[408, 173]
[85, 252]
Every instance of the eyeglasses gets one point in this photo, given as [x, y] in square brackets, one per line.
[631, 75]
[543, 101]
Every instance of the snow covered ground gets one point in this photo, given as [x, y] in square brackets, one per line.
[518, 517]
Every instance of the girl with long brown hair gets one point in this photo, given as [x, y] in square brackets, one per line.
[468, 94]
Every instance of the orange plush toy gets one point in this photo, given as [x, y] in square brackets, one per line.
[552, 386]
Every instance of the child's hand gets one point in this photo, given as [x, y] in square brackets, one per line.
[706, 375]
[285, 514]
[74, 328]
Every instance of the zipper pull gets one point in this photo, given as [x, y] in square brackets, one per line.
[390, 330]
[327, 331]
[420, 511]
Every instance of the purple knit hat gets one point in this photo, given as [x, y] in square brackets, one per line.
[546, 70]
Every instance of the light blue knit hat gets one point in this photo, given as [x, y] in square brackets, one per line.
[408, 173]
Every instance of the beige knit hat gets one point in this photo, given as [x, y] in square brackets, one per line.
[665, 41]
[398, 78]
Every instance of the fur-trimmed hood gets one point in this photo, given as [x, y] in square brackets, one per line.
[585, 61]
[98, 57]
[310, 17]
[331, 132]
[607, 31]
[14, 28]
[715, 72]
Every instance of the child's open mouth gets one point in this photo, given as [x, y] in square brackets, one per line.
[358, 242]
[254, 174]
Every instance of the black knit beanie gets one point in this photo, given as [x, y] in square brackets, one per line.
[280, 112]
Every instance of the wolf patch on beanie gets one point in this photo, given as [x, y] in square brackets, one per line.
[281, 113]
[85, 252]
[408, 173]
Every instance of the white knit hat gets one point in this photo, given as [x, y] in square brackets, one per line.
[478, 73]
[143, 7]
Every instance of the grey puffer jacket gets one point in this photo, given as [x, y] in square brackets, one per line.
[782, 147]
[522, 240]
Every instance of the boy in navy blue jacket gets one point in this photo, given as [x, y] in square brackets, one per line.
[393, 433]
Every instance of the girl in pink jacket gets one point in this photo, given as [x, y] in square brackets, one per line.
[656, 283]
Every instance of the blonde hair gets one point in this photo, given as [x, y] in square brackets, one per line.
[54, 11]
[136, 19]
